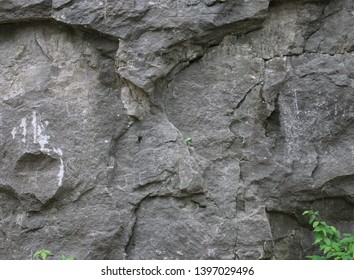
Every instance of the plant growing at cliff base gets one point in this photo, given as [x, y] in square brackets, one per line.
[333, 245]
[67, 258]
[43, 254]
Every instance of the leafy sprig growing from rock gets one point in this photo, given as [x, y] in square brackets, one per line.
[43, 254]
[332, 245]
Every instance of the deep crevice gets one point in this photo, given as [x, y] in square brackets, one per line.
[272, 123]
[133, 227]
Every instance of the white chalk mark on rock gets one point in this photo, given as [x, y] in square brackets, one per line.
[41, 138]
[61, 168]
[34, 126]
[61, 173]
[58, 151]
[13, 132]
[24, 127]
[38, 133]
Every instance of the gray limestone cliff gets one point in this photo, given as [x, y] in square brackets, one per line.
[98, 97]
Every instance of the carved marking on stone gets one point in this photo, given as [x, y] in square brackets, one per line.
[125, 184]
[131, 180]
[140, 180]
[42, 48]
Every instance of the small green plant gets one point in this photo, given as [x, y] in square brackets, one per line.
[43, 254]
[66, 258]
[332, 245]
[188, 141]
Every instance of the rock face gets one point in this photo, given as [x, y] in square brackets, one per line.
[189, 129]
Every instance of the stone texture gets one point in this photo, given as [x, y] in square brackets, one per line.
[99, 97]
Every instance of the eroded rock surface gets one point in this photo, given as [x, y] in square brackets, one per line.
[174, 129]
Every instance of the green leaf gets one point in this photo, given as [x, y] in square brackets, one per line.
[67, 258]
[333, 229]
[316, 257]
[318, 229]
[336, 246]
[42, 254]
[350, 250]
[312, 218]
[318, 240]
[327, 241]
[347, 240]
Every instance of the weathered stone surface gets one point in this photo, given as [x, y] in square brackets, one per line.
[14, 10]
[174, 129]
[159, 38]
[54, 143]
